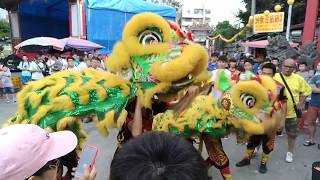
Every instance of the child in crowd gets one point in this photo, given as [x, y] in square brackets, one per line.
[71, 64]
[235, 74]
[5, 76]
[303, 70]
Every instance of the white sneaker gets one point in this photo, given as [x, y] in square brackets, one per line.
[289, 157]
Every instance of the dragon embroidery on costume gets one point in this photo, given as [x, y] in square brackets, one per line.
[154, 57]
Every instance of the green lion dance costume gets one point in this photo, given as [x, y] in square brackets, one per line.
[154, 58]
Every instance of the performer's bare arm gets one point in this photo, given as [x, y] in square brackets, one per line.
[315, 89]
[302, 101]
[136, 128]
[184, 103]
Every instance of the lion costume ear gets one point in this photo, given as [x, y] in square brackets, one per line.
[119, 59]
[223, 81]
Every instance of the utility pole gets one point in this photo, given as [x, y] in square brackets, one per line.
[290, 3]
[79, 18]
[204, 13]
[253, 11]
[253, 7]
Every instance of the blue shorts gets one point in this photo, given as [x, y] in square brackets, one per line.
[8, 90]
[25, 79]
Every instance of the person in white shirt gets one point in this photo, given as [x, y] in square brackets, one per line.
[222, 64]
[37, 67]
[24, 66]
[64, 63]
[71, 64]
[96, 64]
[248, 67]
[50, 63]
[83, 64]
[97, 56]
[55, 64]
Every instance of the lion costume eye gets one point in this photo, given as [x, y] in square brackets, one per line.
[248, 100]
[149, 37]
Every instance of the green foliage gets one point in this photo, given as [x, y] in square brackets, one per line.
[298, 11]
[4, 29]
[226, 30]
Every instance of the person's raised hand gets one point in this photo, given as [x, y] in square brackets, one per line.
[87, 175]
[300, 105]
[193, 91]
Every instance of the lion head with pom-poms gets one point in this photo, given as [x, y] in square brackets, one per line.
[160, 57]
[249, 106]
[156, 55]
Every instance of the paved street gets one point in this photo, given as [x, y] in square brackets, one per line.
[300, 169]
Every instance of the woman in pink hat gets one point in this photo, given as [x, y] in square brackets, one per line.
[29, 152]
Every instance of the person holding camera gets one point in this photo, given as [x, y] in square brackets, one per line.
[54, 64]
[37, 68]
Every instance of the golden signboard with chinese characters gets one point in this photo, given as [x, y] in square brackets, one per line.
[268, 22]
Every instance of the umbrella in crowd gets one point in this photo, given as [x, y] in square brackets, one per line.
[49, 44]
[80, 44]
[42, 41]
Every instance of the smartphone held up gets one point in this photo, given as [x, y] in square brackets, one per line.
[88, 157]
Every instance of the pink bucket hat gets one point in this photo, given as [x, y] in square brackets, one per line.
[25, 148]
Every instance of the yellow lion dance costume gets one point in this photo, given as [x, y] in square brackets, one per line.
[154, 58]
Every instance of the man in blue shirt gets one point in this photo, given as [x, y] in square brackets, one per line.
[212, 65]
[256, 65]
[314, 107]
[24, 66]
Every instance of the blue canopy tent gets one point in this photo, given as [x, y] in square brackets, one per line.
[44, 18]
[107, 18]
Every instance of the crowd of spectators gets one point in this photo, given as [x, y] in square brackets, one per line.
[39, 66]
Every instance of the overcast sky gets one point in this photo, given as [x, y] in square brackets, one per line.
[221, 9]
[3, 13]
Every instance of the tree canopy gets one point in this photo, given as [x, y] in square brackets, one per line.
[225, 29]
[4, 29]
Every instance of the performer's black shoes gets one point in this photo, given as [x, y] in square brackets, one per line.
[263, 168]
[243, 162]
